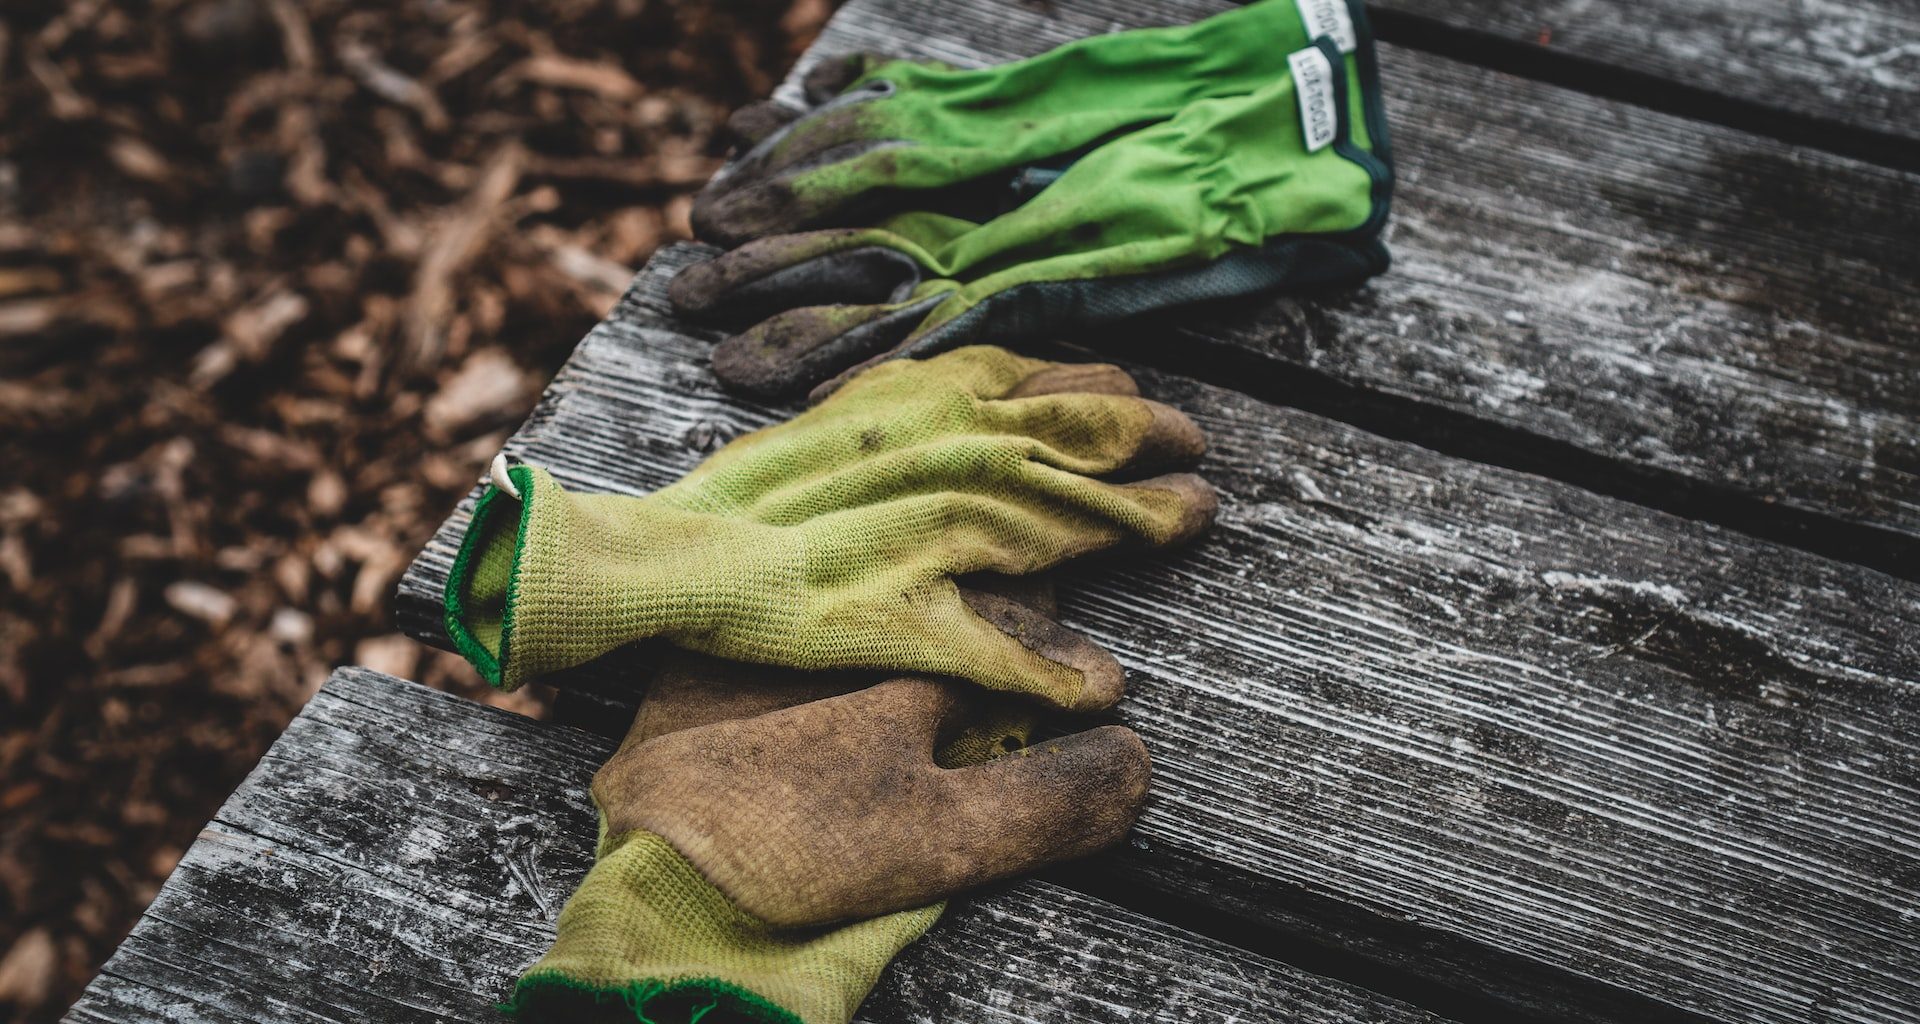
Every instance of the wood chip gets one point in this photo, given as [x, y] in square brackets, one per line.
[607, 80]
[27, 970]
[453, 246]
[208, 604]
[384, 81]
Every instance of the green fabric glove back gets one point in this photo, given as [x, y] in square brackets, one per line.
[1229, 197]
[889, 131]
[834, 540]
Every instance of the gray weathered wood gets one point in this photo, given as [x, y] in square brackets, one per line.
[1849, 66]
[1681, 301]
[400, 854]
[1486, 727]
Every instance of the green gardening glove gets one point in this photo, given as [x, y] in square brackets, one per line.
[731, 852]
[886, 134]
[1231, 197]
[834, 540]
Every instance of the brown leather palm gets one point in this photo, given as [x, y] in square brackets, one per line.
[836, 809]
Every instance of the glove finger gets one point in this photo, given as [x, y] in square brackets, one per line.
[1045, 515]
[830, 77]
[1101, 678]
[1076, 378]
[985, 503]
[1035, 592]
[1056, 800]
[689, 689]
[782, 356]
[1100, 434]
[756, 195]
[755, 122]
[770, 275]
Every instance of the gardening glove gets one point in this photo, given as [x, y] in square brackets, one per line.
[883, 134]
[834, 540]
[731, 851]
[1285, 187]
[603, 962]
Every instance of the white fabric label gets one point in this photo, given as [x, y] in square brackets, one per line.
[1328, 18]
[1313, 81]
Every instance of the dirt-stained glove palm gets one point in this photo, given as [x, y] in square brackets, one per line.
[883, 134]
[834, 540]
[1230, 197]
[726, 846]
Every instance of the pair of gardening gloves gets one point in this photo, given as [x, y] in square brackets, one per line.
[772, 837]
[915, 207]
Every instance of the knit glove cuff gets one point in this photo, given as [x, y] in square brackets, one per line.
[547, 579]
[647, 930]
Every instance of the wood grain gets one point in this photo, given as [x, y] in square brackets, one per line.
[1593, 760]
[1639, 302]
[400, 854]
[1853, 66]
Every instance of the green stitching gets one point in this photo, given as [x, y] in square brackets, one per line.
[464, 641]
[552, 994]
[491, 667]
[523, 478]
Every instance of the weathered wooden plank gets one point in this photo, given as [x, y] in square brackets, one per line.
[400, 854]
[1490, 728]
[1667, 300]
[1850, 71]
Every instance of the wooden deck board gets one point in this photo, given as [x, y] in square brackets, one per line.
[1848, 66]
[1581, 748]
[400, 854]
[1679, 303]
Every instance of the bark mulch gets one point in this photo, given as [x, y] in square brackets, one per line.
[276, 277]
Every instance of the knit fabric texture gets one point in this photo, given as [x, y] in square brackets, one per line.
[645, 929]
[828, 541]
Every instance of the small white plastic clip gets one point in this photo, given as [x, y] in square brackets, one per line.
[498, 473]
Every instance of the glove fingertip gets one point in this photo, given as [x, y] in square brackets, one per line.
[1102, 680]
[729, 214]
[828, 78]
[1198, 504]
[696, 289]
[754, 122]
[1171, 439]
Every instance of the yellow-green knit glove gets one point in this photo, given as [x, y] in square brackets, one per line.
[834, 540]
[647, 935]
[726, 847]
